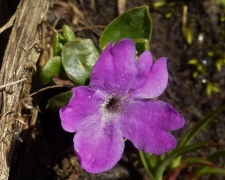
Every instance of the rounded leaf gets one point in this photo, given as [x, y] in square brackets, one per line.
[134, 24]
[58, 42]
[141, 45]
[59, 100]
[51, 68]
[78, 58]
[68, 33]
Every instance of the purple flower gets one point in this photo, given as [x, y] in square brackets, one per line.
[117, 106]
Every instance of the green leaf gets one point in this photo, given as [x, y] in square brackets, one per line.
[190, 161]
[78, 59]
[158, 4]
[135, 24]
[212, 87]
[176, 153]
[195, 160]
[206, 170]
[51, 68]
[202, 170]
[59, 101]
[58, 42]
[198, 127]
[68, 33]
[149, 161]
[188, 35]
[216, 155]
[141, 45]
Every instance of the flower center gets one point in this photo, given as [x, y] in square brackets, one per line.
[113, 105]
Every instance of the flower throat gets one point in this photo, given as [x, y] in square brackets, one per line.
[113, 105]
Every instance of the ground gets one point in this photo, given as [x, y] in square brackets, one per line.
[50, 155]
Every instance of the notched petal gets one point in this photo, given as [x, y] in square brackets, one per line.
[144, 65]
[116, 68]
[146, 59]
[99, 147]
[147, 124]
[82, 110]
[156, 81]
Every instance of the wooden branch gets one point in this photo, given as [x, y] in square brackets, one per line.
[19, 63]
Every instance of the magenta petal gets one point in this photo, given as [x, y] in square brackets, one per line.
[144, 65]
[156, 81]
[146, 59]
[116, 68]
[82, 110]
[147, 123]
[99, 147]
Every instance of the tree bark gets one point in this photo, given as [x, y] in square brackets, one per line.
[18, 66]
